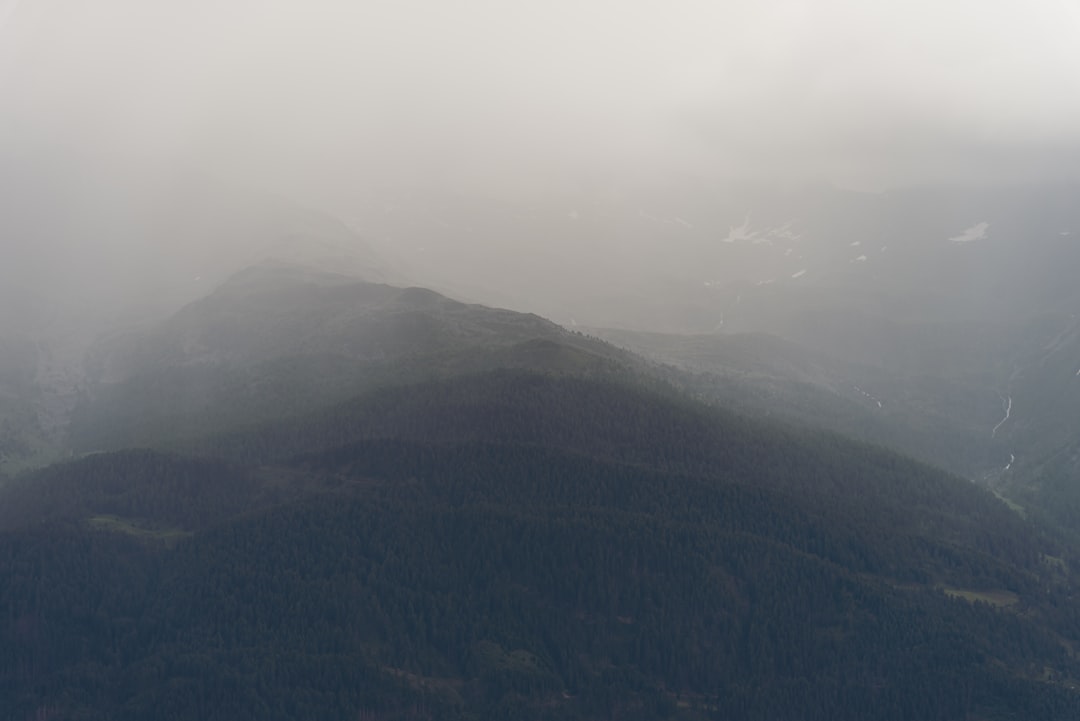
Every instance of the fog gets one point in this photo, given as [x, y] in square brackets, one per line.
[861, 94]
[111, 112]
[540, 358]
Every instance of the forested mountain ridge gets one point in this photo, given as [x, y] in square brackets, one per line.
[941, 420]
[278, 339]
[532, 545]
[85, 256]
[956, 298]
[377, 502]
[549, 361]
[996, 403]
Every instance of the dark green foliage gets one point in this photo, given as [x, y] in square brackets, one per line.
[623, 422]
[139, 485]
[507, 520]
[514, 545]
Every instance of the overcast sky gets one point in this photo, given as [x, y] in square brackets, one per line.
[859, 92]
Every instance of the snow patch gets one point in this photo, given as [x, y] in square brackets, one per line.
[785, 232]
[855, 244]
[799, 274]
[740, 233]
[975, 232]
[860, 259]
[657, 219]
[767, 236]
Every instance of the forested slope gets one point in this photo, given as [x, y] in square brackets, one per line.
[524, 545]
[278, 340]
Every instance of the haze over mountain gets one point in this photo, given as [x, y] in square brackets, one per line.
[388, 502]
[582, 161]
[579, 360]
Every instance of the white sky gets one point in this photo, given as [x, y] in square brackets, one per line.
[858, 92]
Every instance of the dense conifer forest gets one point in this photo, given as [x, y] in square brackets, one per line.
[523, 545]
[308, 497]
[624, 360]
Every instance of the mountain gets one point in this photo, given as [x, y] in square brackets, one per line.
[308, 495]
[92, 253]
[278, 339]
[942, 420]
[954, 307]
[531, 544]
[1038, 425]
[997, 405]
